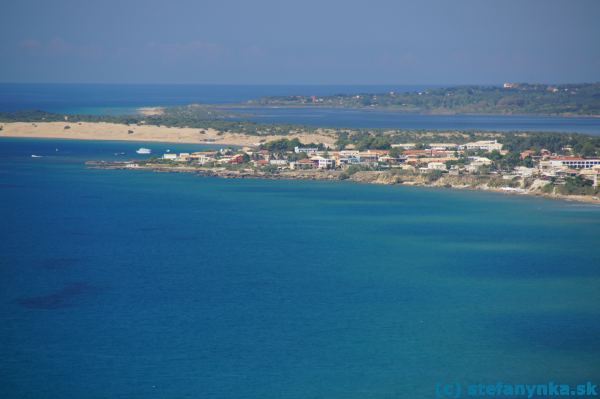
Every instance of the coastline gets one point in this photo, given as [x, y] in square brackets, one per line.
[397, 110]
[364, 177]
[147, 133]
[104, 131]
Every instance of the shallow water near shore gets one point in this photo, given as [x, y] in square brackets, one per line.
[148, 285]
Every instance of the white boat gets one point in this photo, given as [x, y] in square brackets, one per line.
[36, 156]
[144, 151]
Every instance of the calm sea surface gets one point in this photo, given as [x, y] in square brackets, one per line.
[125, 284]
[125, 99]
[357, 118]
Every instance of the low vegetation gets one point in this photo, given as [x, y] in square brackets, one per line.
[570, 99]
[201, 117]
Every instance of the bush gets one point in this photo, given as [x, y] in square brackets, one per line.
[434, 175]
[270, 169]
[496, 182]
[548, 188]
[577, 186]
[515, 183]
[352, 169]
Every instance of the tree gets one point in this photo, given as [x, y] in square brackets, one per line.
[528, 162]
[434, 175]
[511, 160]
[495, 155]
[297, 157]
[270, 169]
[281, 145]
[396, 152]
[342, 140]
[588, 149]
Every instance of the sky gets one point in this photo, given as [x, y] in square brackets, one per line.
[300, 42]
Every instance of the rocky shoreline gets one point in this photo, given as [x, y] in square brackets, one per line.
[466, 182]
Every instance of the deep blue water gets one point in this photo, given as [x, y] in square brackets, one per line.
[118, 99]
[129, 284]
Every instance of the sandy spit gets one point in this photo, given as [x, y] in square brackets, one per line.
[115, 131]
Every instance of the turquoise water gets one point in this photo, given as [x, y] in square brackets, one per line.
[125, 284]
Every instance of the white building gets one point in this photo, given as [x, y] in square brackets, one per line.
[481, 161]
[170, 157]
[278, 162]
[306, 150]
[405, 146]
[183, 157]
[484, 145]
[576, 163]
[349, 160]
[203, 159]
[368, 157]
[525, 171]
[324, 163]
[349, 153]
[443, 146]
[476, 163]
[592, 174]
[436, 166]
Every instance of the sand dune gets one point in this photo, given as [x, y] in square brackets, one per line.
[114, 131]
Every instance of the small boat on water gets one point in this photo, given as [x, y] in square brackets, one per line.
[144, 151]
[35, 156]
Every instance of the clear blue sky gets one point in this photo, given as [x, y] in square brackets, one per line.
[301, 41]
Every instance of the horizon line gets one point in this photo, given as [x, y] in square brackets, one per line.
[295, 84]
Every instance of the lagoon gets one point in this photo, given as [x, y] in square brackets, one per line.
[122, 99]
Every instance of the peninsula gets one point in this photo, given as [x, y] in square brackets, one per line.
[551, 164]
[193, 124]
[481, 165]
[508, 99]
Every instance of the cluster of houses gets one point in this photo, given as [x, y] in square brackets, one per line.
[217, 157]
[409, 156]
[553, 166]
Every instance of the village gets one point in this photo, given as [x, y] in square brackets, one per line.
[479, 158]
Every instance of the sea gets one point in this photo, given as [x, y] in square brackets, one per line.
[123, 99]
[134, 284]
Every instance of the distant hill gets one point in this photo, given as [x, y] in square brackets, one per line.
[509, 99]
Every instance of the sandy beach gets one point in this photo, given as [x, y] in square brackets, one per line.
[148, 133]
